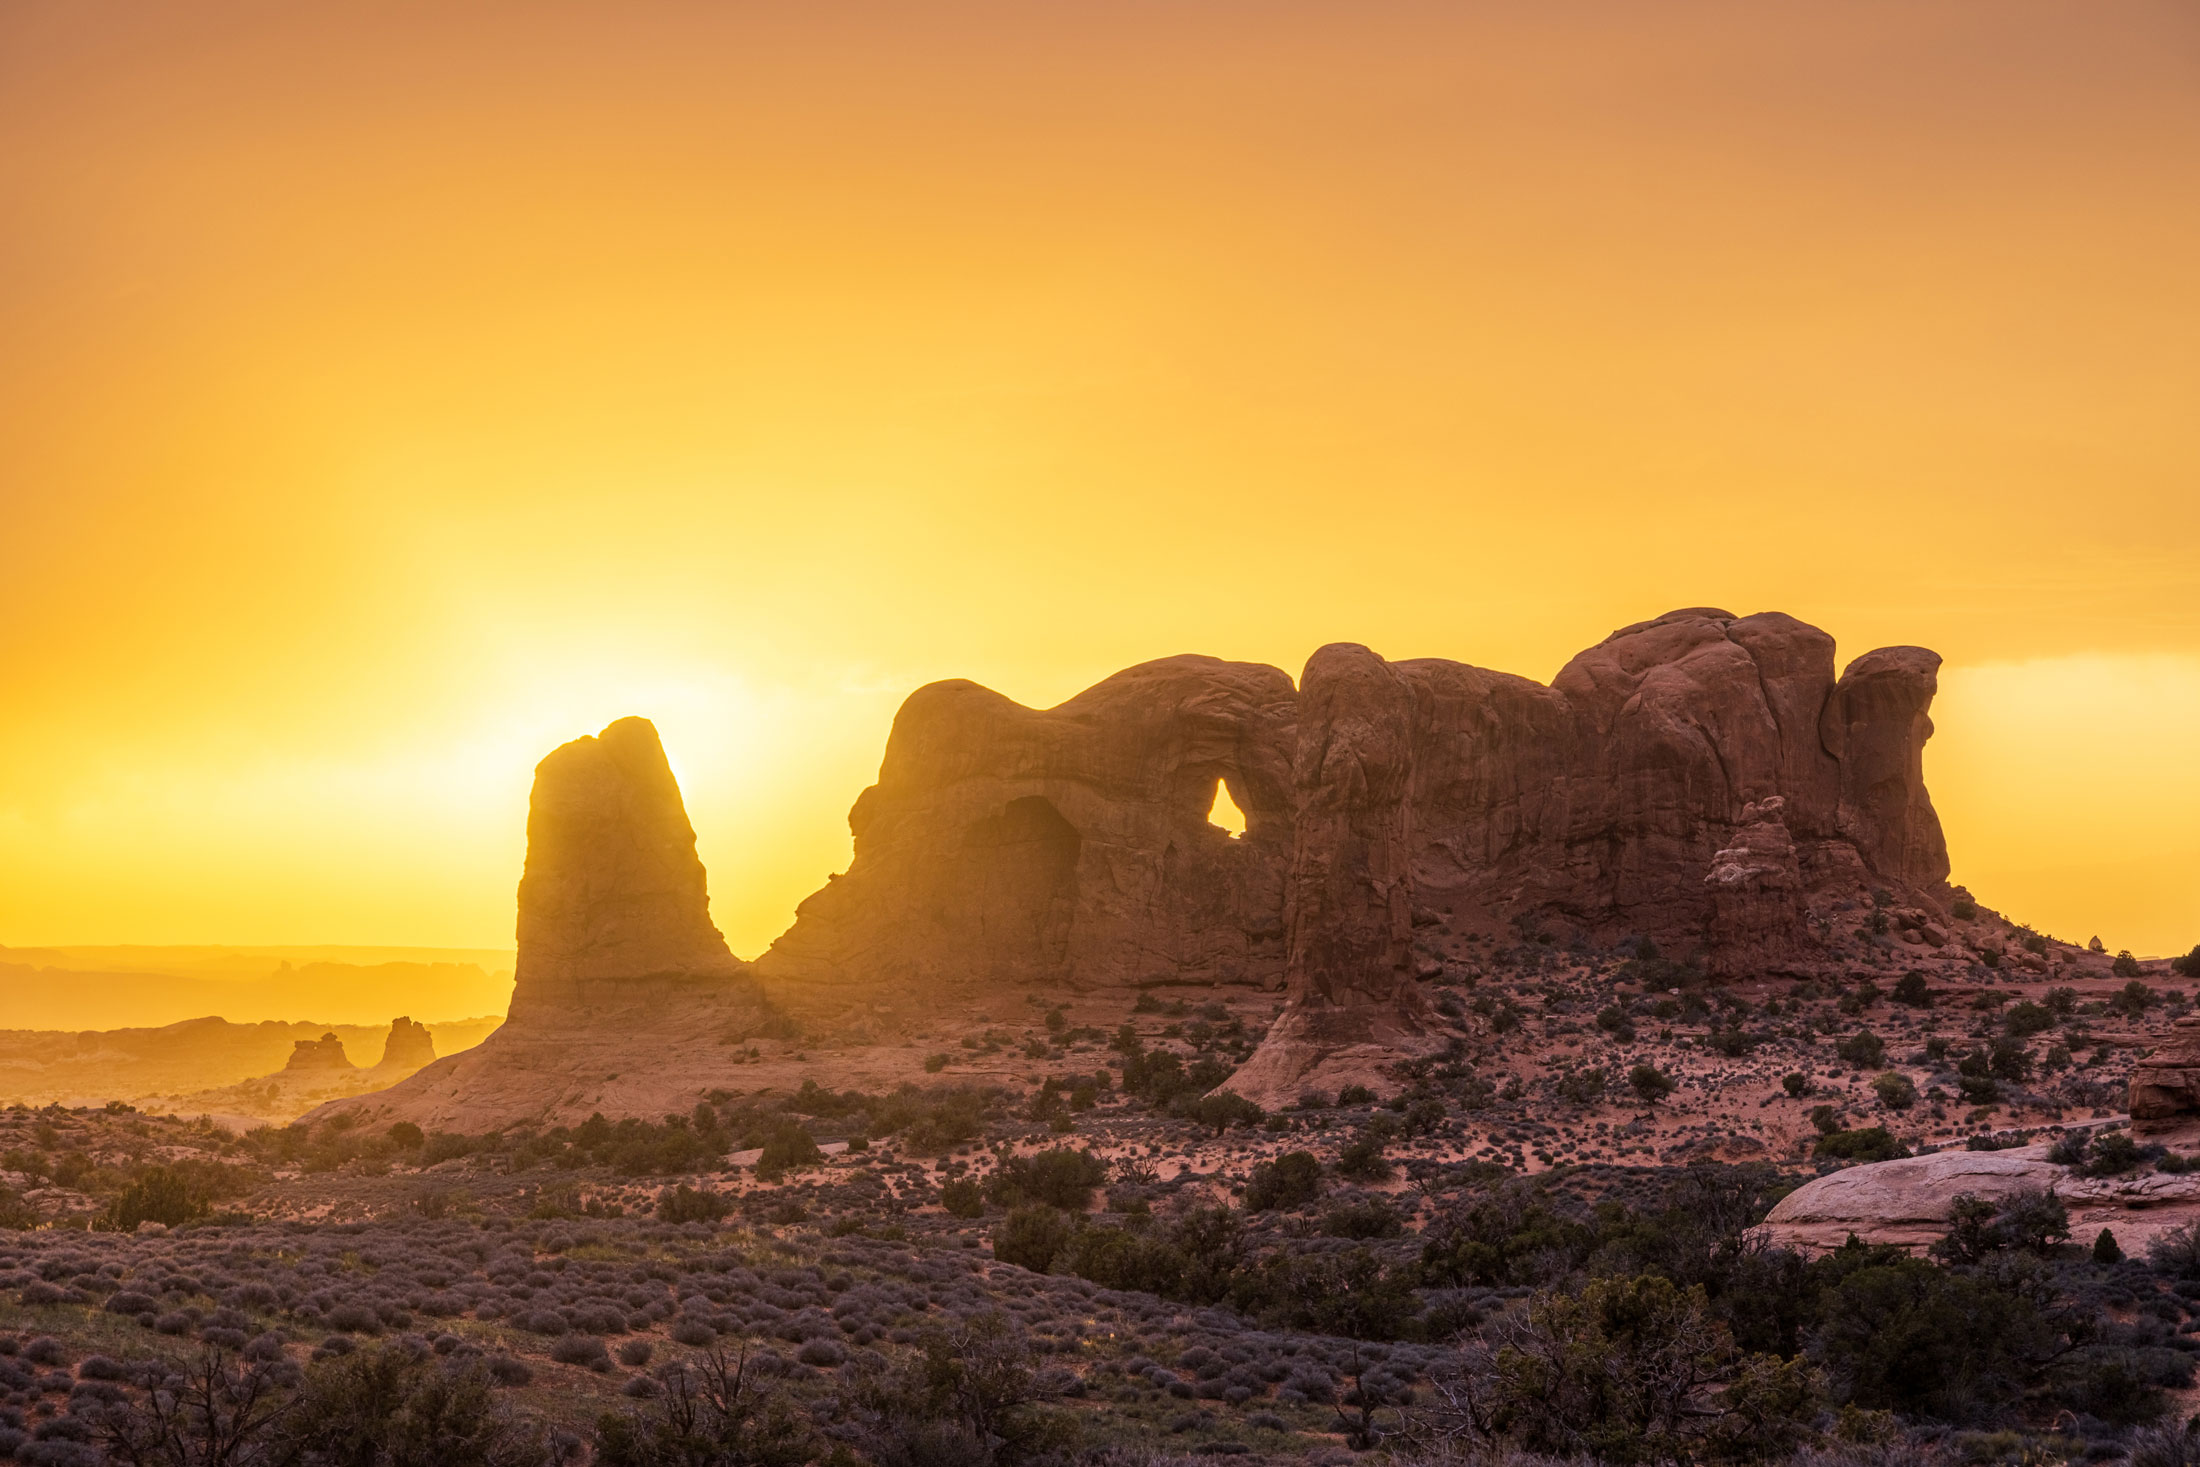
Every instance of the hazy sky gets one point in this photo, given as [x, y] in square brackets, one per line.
[390, 392]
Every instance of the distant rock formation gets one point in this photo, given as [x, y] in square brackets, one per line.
[2165, 1086]
[408, 1048]
[311, 1056]
[1701, 779]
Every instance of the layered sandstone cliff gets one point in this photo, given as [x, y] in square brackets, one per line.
[1702, 779]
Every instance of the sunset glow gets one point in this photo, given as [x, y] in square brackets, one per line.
[393, 393]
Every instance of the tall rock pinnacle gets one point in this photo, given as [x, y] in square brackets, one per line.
[612, 888]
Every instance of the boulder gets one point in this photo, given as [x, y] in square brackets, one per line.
[1906, 1202]
[2165, 1085]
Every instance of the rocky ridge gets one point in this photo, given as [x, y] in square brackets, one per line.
[1703, 780]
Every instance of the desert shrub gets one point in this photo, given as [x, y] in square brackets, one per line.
[210, 1408]
[634, 1354]
[791, 1147]
[1582, 1087]
[1354, 1294]
[2125, 965]
[2026, 1018]
[1062, 1177]
[1361, 1220]
[1362, 1159]
[1895, 1090]
[159, 1194]
[2134, 998]
[1616, 1372]
[1615, 1021]
[1352, 1095]
[1869, 1143]
[1912, 990]
[1649, 1083]
[586, 1351]
[962, 1197]
[1220, 1110]
[1291, 1180]
[2187, 966]
[406, 1136]
[2031, 1221]
[1863, 1049]
[685, 1204]
[2111, 1154]
[969, 1397]
[396, 1407]
[1032, 1237]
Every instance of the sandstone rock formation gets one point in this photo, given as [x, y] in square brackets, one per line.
[408, 1048]
[1702, 779]
[612, 888]
[2165, 1086]
[626, 999]
[315, 1055]
[1907, 1202]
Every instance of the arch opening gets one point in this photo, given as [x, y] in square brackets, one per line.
[1224, 811]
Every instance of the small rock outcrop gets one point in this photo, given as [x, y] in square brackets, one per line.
[408, 1048]
[318, 1055]
[2165, 1086]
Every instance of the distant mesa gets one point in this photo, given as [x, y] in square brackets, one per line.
[315, 1056]
[1702, 780]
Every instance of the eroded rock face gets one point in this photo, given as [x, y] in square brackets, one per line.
[1756, 884]
[1355, 1004]
[408, 1047]
[1703, 779]
[1009, 845]
[612, 888]
[2165, 1086]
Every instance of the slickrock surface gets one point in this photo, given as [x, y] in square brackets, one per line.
[1907, 1202]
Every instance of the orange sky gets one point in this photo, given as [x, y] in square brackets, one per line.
[390, 392]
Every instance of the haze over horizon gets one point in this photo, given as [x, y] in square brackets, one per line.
[397, 394]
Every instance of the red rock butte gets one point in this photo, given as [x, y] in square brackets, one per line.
[1703, 780]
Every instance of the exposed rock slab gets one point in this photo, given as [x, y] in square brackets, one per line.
[1906, 1202]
